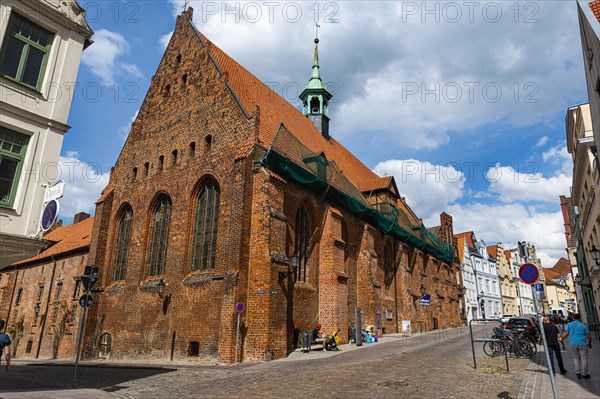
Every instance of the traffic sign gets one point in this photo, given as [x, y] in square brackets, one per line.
[425, 300]
[240, 307]
[529, 273]
[539, 287]
[85, 300]
[49, 214]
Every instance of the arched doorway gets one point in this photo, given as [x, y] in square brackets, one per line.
[105, 346]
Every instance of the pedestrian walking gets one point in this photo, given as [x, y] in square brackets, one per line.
[553, 338]
[580, 341]
[4, 346]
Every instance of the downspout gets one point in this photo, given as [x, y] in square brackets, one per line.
[12, 296]
[397, 267]
[37, 353]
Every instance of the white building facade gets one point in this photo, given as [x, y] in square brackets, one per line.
[481, 283]
[42, 42]
[524, 292]
[470, 288]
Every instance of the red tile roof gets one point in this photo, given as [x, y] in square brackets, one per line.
[468, 236]
[275, 110]
[66, 238]
[377, 183]
[562, 267]
[550, 276]
[595, 7]
[507, 255]
[493, 250]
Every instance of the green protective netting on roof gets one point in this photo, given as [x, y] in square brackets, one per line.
[292, 160]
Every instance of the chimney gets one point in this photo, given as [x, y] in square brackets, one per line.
[80, 217]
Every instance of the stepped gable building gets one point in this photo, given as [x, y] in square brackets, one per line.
[224, 193]
[39, 295]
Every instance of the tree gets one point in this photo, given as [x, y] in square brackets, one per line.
[60, 328]
[16, 333]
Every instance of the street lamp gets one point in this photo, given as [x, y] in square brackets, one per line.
[577, 280]
[295, 262]
[595, 252]
[423, 290]
[160, 288]
[36, 309]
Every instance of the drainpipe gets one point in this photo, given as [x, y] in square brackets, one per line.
[37, 353]
[12, 296]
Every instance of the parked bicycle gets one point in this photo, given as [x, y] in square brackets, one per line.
[515, 343]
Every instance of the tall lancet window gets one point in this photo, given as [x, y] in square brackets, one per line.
[205, 229]
[161, 217]
[302, 242]
[122, 243]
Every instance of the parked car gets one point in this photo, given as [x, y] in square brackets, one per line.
[506, 317]
[523, 324]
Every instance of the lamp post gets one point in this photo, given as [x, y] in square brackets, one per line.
[482, 304]
[577, 280]
[160, 288]
[294, 263]
[517, 280]
[423, 290]
[595, 252]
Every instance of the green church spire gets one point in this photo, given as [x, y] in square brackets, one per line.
[315, 97]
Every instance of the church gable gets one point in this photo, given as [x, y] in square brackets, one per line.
[189, 110]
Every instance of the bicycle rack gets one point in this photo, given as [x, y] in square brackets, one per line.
[473, 340]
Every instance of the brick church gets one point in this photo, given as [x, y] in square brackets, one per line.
[225, 193]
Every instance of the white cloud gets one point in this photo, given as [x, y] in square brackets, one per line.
[526, 184]
[83, 184]
[428, 188]
[400, 50]
[509, 223]
[163, 41]
[559, 155]
[124, 130]
[541, 142]
[431, 189]
[103, 57]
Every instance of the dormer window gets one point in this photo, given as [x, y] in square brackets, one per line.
[25, 52]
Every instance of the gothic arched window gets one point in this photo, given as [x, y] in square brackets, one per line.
[161, 216]
[204, 245]
[302, 241]
[388, 265]
[122, 243]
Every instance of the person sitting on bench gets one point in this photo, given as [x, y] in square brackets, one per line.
[318, 337]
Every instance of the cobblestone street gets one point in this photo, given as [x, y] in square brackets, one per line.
[436, 365]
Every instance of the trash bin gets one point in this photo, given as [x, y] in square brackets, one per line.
[305, 342]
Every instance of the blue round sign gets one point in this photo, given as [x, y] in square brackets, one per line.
[240, 307]
[49, 215]
[529, 273]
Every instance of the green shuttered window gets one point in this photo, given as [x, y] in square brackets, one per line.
[13, 147]
[25, 52]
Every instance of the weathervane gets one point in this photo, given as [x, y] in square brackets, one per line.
[185, 4]
[317, 34]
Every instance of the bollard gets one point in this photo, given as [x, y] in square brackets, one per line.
[305, 342]
[358, 326]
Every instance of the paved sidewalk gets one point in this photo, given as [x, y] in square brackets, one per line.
[537, 385]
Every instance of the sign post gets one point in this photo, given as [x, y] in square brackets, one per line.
[240, 308]
[89, 278]
[529, 273]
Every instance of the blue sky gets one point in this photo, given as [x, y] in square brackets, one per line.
[463, 104]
